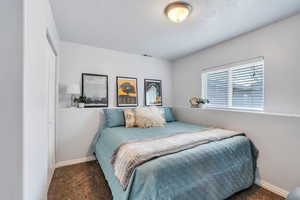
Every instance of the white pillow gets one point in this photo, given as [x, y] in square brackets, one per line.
[146, 117]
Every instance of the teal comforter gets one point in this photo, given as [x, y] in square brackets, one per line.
[212, 171]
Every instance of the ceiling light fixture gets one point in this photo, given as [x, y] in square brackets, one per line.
[178, 11]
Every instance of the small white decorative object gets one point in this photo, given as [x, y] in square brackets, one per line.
[194, 101]
[80, 105]
[197, 102]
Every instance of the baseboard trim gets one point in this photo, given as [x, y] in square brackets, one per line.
[50, 177]
[75, 161]
[268, 186]
[45, 196]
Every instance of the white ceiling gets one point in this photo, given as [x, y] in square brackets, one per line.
[140, 26]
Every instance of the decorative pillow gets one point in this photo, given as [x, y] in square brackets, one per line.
[129, 115]
[114, 117]
[169, 114]
[146, 117]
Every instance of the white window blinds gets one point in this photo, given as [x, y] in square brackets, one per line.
[238, 86]
[217, 88]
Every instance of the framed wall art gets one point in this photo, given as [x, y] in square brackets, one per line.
[153, 92]
[127, 92]
[95, 90]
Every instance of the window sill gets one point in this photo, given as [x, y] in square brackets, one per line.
[261, 112]
[238, 109]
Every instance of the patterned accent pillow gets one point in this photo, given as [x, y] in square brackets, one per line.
[129, 115]
[146, 117]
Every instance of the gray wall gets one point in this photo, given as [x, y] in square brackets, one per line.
[11, 99]
[278, 43]
[77, 127]
[277, 137]
[37, 20]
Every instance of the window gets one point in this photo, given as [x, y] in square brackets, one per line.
[237, 86]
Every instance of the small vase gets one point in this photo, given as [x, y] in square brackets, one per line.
[80, 105]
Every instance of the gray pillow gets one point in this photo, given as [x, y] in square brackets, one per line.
[114, 117]
[169, 114]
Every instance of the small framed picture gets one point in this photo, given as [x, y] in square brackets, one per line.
[127, 92]
[153, 92]
[95, 89]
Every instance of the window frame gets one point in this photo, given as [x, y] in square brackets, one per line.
[230, 68]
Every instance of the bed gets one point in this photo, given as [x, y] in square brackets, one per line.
[212, 171]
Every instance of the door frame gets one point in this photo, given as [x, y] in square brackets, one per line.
[50, 42]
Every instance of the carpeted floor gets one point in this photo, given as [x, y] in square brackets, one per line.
[86, 182]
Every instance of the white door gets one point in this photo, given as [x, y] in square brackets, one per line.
[51, 59]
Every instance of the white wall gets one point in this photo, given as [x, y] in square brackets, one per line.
[11, 99]
[276, 137]
[76, 128]
[37, 19]
[77, 59]
[278, 43]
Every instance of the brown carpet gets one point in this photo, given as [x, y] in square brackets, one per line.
[86, 182]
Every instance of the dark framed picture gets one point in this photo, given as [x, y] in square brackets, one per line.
[95, 89]
[153, 92]
[127, 92]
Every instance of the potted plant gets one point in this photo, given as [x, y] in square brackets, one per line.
[81, 101]
[198, 102]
